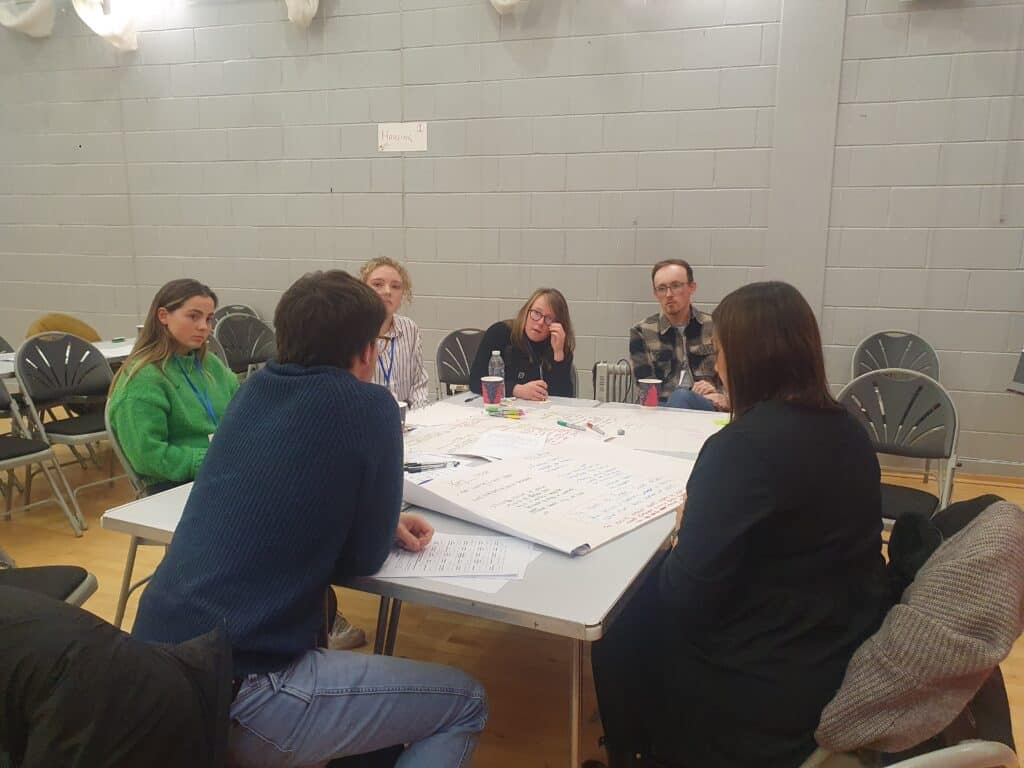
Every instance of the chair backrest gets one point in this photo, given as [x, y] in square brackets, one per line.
[214, 347]
[133, 477]
[455, 356]
[61, 323]
[234, 309]
[246, 340]
[895, 349]
[618, 386]
[5, 345]
[905, 413]
[53, 367]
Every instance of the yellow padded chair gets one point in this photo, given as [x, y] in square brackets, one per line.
[55, 321]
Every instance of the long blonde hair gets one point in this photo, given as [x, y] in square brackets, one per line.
[155, 343]
[561, 309]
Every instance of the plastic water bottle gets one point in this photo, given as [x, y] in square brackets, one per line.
[496, 367]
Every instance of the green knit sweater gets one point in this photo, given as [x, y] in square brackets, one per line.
[162, 425]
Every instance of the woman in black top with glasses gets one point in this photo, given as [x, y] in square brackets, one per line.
[536, 346]
[726, 656]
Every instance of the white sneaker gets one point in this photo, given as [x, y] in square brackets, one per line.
[345, 636]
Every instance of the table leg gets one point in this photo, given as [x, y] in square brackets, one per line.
[396, 612]
[126, 581]
[382, 624]
[576, 703]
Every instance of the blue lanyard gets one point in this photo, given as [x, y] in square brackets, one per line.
[391, 365]
[204, 396]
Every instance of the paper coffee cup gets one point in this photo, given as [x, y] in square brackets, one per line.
[493, 389]
[648, 392]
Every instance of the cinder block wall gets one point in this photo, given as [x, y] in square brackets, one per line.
[571, 145]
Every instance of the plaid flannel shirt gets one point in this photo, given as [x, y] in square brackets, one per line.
[656, 351]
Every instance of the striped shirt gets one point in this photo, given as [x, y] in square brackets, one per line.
[400, 363]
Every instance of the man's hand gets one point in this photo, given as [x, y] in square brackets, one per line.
[558, 341]
[531, 390]
[414, 532]
[720, 401]
[704, 387]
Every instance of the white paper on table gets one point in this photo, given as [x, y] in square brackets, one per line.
[507, 444]
[453, 440]
[443, 414]
[572, 498]
[488, 584]
[456, 555]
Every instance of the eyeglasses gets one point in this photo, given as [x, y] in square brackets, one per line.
[537, 316]
[675, 287]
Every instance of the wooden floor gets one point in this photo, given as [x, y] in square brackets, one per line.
[526, 673]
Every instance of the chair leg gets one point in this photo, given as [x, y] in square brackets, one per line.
[28, 485]
[126, 581]
[927, 470]
[71, 495]
[9, 494]
[78, 456]
[59, 498]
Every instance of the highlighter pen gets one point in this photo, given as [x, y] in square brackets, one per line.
[497, 415]
[596, 429]
[571, 426]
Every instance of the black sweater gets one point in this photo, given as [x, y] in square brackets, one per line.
[777, 578]
[522, 367]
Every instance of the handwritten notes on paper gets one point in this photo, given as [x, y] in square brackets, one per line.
[402, 137]
[453, 555]
[571, 497]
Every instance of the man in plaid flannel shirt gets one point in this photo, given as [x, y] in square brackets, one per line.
[676, 345]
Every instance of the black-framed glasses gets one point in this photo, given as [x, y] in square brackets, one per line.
[537, 316]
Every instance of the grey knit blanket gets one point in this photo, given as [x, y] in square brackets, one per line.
[953, 625]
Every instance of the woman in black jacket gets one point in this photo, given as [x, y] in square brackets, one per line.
[536, 347]
[729, 652]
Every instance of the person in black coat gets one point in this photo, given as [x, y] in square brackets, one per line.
[730, 650]
[536, 346]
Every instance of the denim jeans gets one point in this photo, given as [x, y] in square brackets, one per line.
[332, 704]
[687, 398]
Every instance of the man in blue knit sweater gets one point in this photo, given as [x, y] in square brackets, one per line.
[301, 489]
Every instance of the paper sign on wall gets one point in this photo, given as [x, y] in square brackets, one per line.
[401, 137]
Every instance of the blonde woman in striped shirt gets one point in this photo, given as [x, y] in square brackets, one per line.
[400, 351]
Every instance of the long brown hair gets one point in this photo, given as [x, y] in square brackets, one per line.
[561, 309]
[772, 347]
[155, 344]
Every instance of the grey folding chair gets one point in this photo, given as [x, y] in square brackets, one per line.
[18, 450]
[59, 369]
[248, 342]
[895, 349]
[455, 356]
[907, 413]
[233, 309]
[4, 346]
[69, 583]
[214, 347]
[127, 587]
[613, 382]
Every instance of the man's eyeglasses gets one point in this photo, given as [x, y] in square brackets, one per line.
[537, 316]
[675, 287]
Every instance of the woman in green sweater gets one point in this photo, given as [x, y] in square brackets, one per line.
[169, 395]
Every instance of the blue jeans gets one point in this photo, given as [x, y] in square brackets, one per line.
[338, 703]
[687, 398]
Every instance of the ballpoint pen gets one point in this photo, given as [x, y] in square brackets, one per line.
[416, 466]
[596, 429]
[471, 399]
